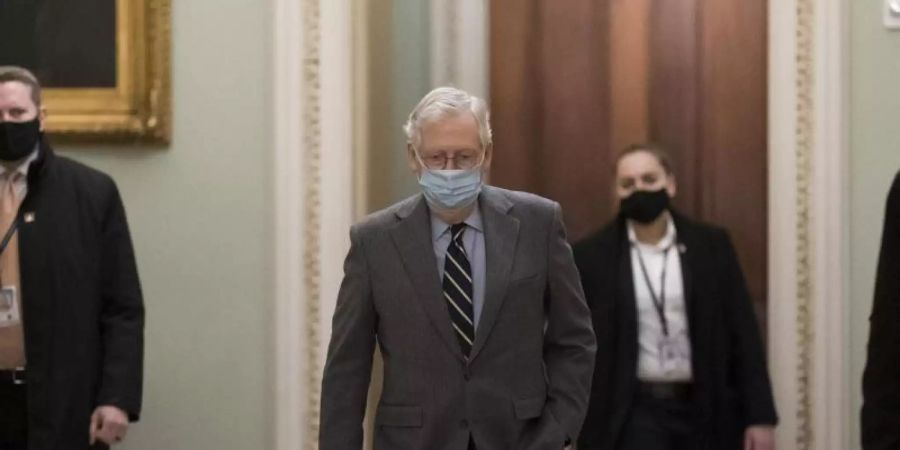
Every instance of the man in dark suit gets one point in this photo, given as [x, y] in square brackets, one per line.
[881, 379]
[71, 312]
[472, 295]
[680, 363]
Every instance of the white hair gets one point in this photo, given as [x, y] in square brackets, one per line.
[444, 102]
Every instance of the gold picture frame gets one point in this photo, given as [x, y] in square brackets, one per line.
[138, 108]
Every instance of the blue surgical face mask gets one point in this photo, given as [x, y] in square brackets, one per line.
[450, 189]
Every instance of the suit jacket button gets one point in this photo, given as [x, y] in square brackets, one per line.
[464, 423]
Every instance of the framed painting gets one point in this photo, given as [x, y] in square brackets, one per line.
[104, 64]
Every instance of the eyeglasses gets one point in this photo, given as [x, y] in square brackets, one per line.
[463, 160]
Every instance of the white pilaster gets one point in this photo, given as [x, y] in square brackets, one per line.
[460, 45]
[808, 225]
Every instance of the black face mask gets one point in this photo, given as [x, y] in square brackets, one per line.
[18, 139]
[644, 206]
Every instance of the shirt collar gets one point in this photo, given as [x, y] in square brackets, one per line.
[23, 166]
[439, 227]
[667, 241]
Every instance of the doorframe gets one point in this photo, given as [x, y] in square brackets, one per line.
[808, 225]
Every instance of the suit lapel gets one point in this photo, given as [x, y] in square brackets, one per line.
[686, 249]
[36, 275]
[627, 307]
[695, 260]
[687, 272]
[412, 237]
[501, 233]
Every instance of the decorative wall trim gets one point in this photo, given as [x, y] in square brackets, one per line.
[313, 84]
[808, 227]
[312, 196]
[804, 135]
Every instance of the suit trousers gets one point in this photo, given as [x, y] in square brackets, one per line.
[13, 416]
[658, 424]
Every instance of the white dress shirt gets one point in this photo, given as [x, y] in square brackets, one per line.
[652, 366]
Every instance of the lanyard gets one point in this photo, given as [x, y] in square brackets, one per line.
[659, 303]
[9, 234]
[6, 238]
[12, 226]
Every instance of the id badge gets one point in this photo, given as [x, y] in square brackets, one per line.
[674, 354]
[10, 314]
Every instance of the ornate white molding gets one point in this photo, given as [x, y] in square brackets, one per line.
[804, 142]
[312, 152]
[313, 80]
[808, 228]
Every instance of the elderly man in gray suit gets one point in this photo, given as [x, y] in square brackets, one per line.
[473, 297]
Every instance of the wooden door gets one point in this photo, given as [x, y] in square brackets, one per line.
[575, 81]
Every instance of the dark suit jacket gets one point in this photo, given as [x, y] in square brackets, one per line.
[731, 382]
[83, 312]
[881, 379]
[526, 383]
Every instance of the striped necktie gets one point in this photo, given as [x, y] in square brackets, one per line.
[458, 289]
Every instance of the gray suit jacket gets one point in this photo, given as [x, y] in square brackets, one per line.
[527, 381]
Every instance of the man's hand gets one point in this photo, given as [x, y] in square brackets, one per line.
[759, 437]
[109, 425]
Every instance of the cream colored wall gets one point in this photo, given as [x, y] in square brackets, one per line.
[200, 216]
[874, 159]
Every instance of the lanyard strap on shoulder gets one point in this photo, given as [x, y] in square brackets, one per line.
[9, 234]
[659, 302]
